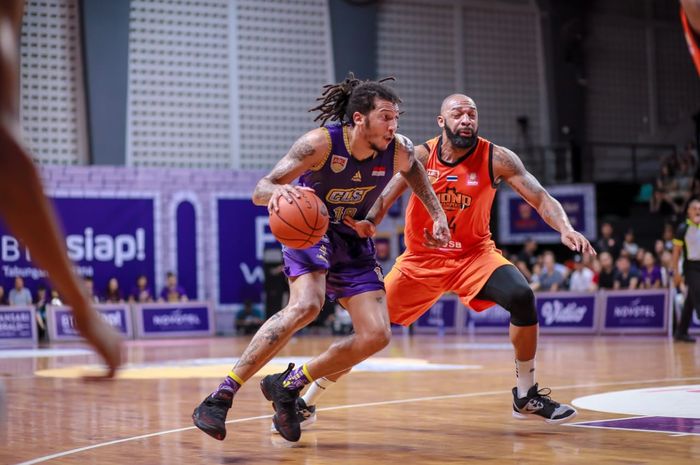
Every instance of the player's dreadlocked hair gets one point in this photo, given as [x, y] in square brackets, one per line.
[340, 101]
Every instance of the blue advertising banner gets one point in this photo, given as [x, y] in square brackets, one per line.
[174, 320]
[17, 326]
[105, 237]
[518, 221]
[243, 235]
[566, 312]
[62, 324]
[635, 312]
[495, 320]
[441, 317]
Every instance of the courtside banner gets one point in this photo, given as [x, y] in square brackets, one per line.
[492, 320]
[441, 317]
[61, 323]
[17, 326]
[643, 311]
[566, 312]
[242, 234]
[164, 320]
[105, 237]
[518, 221]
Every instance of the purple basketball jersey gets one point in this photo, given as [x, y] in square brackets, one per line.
[348, 187]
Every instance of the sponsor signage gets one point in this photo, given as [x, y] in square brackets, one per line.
[441, 317]
[492, 320]
[166, 320]
[566, 312]
[17, 326]
[635, 312]
[61, 322]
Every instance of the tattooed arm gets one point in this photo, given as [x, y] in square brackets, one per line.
[306, 152]
[415, 175]
[509, 168]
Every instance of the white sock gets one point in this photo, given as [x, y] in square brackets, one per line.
[316, 390]
[524, 376]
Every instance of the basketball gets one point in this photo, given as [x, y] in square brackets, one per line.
[300, 224]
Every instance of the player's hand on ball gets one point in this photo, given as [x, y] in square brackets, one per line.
[363, 228]
[577, 242]
[287, 192]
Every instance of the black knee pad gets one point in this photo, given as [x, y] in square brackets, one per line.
[521, 305]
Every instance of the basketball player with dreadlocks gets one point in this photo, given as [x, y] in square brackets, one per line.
[347, 165]
[465, 170]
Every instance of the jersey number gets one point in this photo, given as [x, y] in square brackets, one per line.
[341, 212]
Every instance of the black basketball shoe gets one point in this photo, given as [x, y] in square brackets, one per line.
[284, 401]
[538, 404]
[210, 415]
[305, 413]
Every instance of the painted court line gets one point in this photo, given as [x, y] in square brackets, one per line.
[46, 458]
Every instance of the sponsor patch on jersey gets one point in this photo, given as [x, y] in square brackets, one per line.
[451, 178]
[433, 175]
[338, 163]
[378, 171]
[357, 177]
[472, 179]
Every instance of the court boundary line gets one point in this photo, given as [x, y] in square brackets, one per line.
[56, 455]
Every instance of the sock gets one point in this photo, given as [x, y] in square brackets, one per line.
[231, 383]
[525, 376]
[297, 378]
[316, 390]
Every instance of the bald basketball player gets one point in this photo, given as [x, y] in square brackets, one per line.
[690, 18]
[465, 171]
[24, 207]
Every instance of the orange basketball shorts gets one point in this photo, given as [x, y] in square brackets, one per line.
[416, 281]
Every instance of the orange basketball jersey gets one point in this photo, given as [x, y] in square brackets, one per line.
[466, 191]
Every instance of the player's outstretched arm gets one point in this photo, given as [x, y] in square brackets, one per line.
[416, 177]
[27, 211]
[309, 150]
[509, 168]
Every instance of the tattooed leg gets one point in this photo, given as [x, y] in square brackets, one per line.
[306, 299]
[372, 333]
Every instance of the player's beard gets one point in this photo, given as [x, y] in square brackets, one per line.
[372, 145]
[461, 142]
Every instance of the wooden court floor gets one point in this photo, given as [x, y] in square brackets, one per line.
[423, 400]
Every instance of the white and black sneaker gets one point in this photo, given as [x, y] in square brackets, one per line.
[305, 413]
[538, 404]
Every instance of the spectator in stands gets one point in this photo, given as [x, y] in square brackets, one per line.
[661, 200]
[658, 248]
[2, 295]
[141, 292]
[606, 276]
[550, 278]
[607, 242]
[529, 253]
[341, 321]
[637, 260]
[55, 298]
[581, 279]
[248, 319]
[113, 294]
[173, 292]
[90, 288]
[40, 306]
[625, 276]
[522, 267]
[667, 236]
[629, 244]
[650, 273]
[683, 183]
[20, 295]
[666, 260]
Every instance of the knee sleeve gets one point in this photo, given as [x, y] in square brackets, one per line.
[521, 306]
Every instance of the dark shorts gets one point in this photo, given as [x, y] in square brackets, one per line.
[348, 261]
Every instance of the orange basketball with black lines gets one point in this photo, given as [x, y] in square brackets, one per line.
[300, 224]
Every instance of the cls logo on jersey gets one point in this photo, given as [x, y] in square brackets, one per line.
[433, 175]
[338, 163]
[351, 196]
[472, 179]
